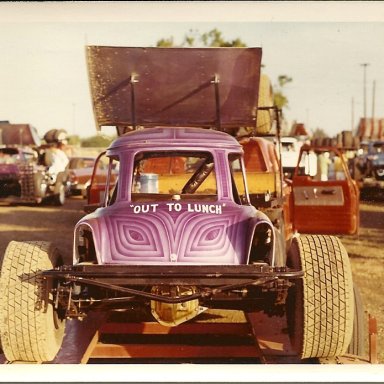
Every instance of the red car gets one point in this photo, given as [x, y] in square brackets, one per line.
[80, 173]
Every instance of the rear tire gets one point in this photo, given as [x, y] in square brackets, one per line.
[30, 329]
[320, 306]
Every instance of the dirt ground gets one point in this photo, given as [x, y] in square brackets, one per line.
[366, 251]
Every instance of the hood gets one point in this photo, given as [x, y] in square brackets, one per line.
[203, 87]
[9, 169]
[188, 233]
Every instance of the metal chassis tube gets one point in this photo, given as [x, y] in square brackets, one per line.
[214, 278]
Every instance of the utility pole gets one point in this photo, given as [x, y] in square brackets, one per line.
[365, 65]
[73, 118]
[373, 98]
[373, 108]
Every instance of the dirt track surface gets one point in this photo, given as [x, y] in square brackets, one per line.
[46, 223]
[50, 223]
[366, 252]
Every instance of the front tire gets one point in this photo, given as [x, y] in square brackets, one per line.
[30, 329]
[320, 308]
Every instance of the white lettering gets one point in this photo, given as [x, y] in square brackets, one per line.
[177, 207]
[170, 206]
[205, 208]
[212, 209]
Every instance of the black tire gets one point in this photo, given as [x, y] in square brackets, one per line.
[357, 344]
[30, 330]
[40, 187]
[320, 306]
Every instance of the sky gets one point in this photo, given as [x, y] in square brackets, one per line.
[320, 45]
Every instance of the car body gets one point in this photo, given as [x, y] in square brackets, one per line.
[25, 176]
[376, 157]
[220, 202]
[24, 179]
[324, 189]
[180, 205]
[369, 165]
[14, 164]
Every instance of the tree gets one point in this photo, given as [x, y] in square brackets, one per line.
[213, 38]
[279, 98]
[319, 133]
[73, 140]
[98, 141]
[166, 43]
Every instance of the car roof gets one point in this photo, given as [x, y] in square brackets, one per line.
[176, 137]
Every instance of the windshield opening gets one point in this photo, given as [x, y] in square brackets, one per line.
[174, 175]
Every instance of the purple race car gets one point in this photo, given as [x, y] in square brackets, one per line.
[175, 235]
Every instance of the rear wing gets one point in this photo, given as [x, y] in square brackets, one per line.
[146, 87]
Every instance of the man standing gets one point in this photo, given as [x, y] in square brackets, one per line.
[56, 161]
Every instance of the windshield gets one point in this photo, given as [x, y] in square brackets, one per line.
[9, 155]
[177, 175]
[378, 148]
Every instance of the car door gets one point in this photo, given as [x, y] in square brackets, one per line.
[325, 198]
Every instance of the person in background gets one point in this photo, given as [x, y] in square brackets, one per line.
[56, 161]
[339, 169]
[59, 165]
[323, 164]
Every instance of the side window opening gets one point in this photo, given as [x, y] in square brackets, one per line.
[112, 170]
[103, 181]
[238, 180]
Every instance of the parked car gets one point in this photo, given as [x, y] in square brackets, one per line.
[80, 169]
[369, 166]
[290, 152]
[24, 179]
[13, 164]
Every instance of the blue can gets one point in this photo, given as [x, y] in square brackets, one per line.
[149, 183]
